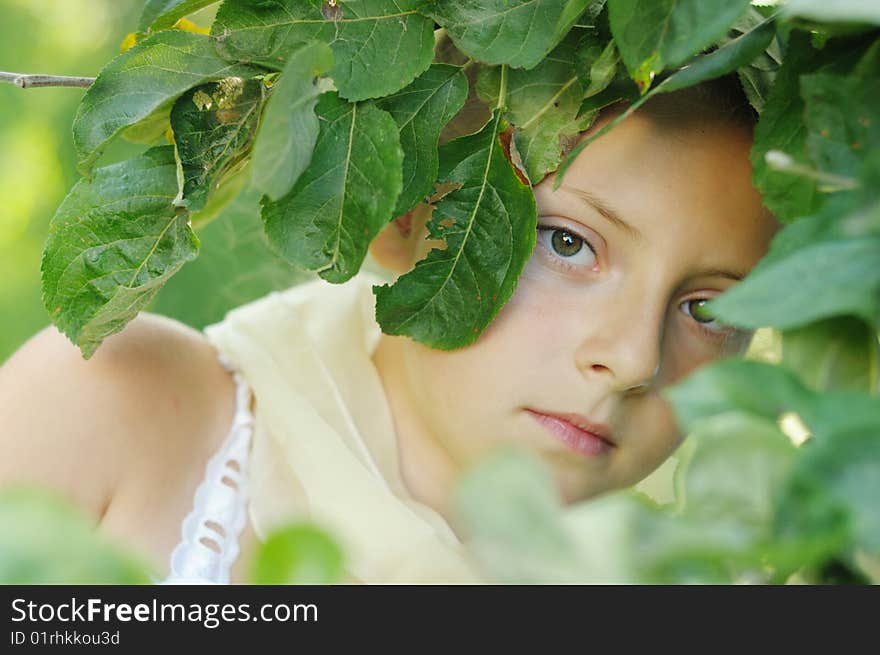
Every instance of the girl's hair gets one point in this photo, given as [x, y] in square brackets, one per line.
[720, 100]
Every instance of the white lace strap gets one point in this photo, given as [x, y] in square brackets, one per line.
[210, 532]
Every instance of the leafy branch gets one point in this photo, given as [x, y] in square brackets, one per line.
[28, 80]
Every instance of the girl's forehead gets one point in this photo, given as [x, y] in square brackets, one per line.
[642, 148]
[685, 187]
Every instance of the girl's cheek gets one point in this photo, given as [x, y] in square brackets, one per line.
[529, 316]
[531, 328]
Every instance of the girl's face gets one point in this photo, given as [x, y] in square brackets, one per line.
[647, 223]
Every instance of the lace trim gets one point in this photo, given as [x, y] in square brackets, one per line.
[210, 532]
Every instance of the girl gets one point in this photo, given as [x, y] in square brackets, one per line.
[302, 408]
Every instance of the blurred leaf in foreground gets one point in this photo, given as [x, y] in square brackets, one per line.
[44, 539]
[298, 554]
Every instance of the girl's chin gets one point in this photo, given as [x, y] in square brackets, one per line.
[574, 485]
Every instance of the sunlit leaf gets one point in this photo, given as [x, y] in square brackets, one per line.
[138, 82]
[150, 129]
[162, 14]
[289, 127]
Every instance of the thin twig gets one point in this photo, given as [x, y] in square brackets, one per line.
[26, 81]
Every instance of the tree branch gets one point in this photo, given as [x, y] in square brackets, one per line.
[26, 81]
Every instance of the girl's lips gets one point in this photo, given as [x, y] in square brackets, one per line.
[578, 439]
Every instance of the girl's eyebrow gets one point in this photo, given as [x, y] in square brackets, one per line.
[605, 211]
[718, 272]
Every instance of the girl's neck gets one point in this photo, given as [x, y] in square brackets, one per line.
[427, 470]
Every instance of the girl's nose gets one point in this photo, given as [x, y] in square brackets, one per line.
[621, 348]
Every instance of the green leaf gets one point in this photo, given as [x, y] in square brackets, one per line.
[301, 554]
[782, 126]
[289, 127]
[162, 14]
[849, 11]
[378, 47]
[141, 80]
[843, 216]
[542, 105]
[731, 469]
[152, 128]
[655, 35]
[648, 545]
[831, 497]
[804, 232]
[420, 111]
[684, 550]
[345, 196]
[489, 227]
[620, 88]
[232, 184]
[519, 532]
[596, 71]
[727, 58]
[736, 468]
[789, 294]
[45, 539]
[757, 76]
[519, 34]
[769, 392]
[511, 513]
[842, 410]
[112, 245]
[838, 117]
[214, 125]
[233, 250]
[837, 353]
[730, 385]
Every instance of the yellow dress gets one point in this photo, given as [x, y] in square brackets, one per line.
[323, 445]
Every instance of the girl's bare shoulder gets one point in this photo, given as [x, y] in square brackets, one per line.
[136, 420]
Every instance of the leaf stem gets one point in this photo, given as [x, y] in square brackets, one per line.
[502, 88]
[781, 161]
[25, 81]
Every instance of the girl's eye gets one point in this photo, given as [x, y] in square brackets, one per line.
[696, 310]
[573, 250]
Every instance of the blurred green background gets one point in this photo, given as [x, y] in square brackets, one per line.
[77, 37]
